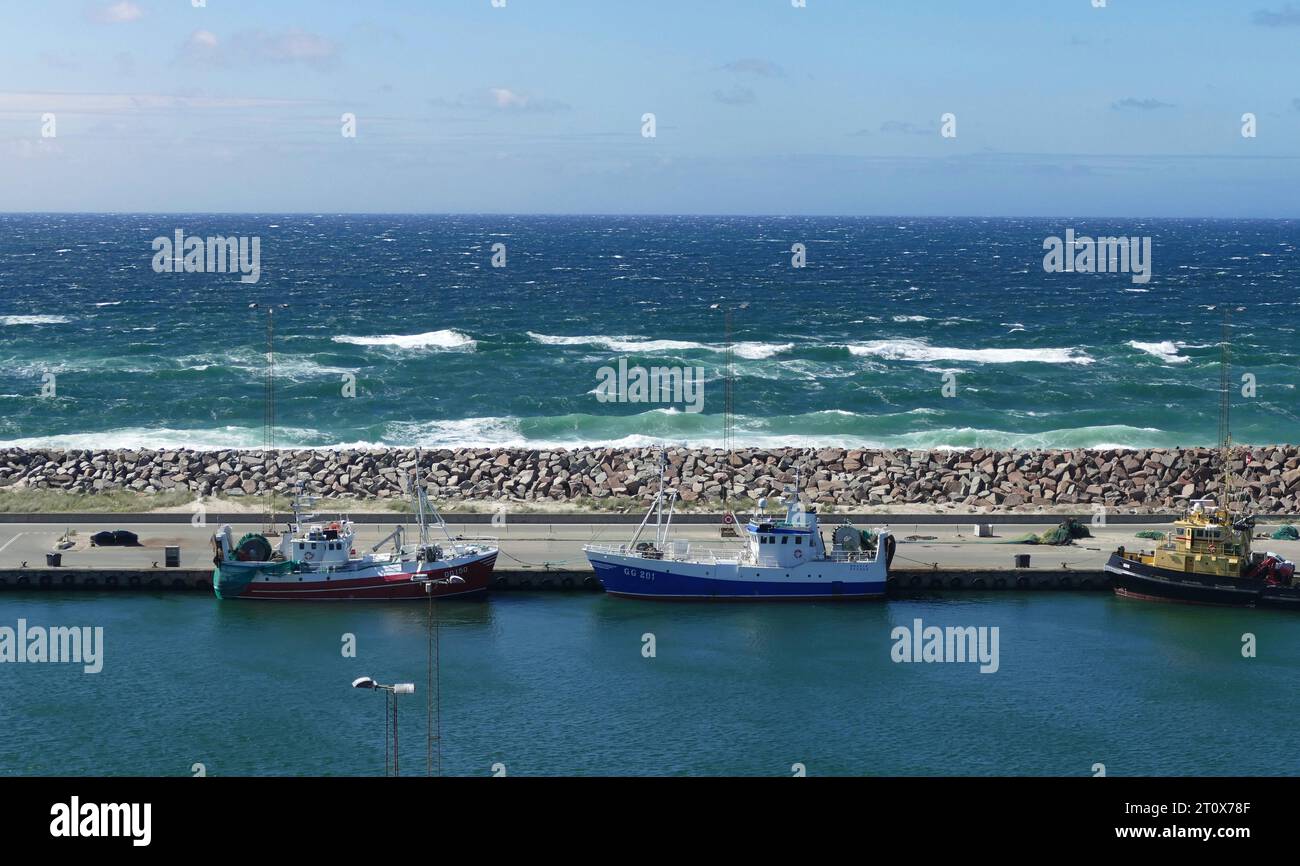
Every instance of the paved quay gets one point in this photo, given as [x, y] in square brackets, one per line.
[537, 555]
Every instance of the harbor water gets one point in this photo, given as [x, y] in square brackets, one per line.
[578, 684]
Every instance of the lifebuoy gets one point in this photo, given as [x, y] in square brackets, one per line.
[309, 556]
[798, 554]
[1212, 548]
[728, 519]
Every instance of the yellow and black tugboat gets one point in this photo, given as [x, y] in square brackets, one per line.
[1206, 558]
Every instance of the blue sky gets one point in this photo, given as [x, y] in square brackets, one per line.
[1062, 109]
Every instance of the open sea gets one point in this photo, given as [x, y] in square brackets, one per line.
[447, 350]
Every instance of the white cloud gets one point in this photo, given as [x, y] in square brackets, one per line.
[120, 13]
[502, 99]
[505, 98]
[291, 46]
[258, 46]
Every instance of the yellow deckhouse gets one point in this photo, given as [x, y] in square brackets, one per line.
[1203, 542]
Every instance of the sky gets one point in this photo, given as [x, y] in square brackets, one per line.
[1061, 108]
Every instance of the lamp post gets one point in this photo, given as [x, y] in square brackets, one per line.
[391, 692]
[433, 628]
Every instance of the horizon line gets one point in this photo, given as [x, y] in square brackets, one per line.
[639, 215]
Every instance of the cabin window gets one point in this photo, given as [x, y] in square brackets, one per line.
[784, 539]
[798, 539]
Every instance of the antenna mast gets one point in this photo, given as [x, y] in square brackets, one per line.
[1225, 407]
[268, 411]
[728, 410]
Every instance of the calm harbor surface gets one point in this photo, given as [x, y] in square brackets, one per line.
[558, 685]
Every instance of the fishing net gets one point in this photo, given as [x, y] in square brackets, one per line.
[1154, 534]
[1063, 534]
[1286, 533]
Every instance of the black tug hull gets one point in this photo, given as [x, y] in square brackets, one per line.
[1147, 582]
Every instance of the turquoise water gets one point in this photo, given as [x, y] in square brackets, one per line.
[449, 351]
[551, 684]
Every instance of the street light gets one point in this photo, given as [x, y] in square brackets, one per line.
[434, 687]
[391, 693]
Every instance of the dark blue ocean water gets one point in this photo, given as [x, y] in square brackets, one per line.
[446, 349]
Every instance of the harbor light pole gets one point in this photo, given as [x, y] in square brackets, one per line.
[433, 693]
[391, 692]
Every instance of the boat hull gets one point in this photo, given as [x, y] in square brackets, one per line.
[1150, 583]
[638, 577]
[398, 582]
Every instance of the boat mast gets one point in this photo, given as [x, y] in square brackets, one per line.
[420, 500]
[654, 508]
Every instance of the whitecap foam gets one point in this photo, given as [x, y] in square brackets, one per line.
[759, 351]
[34, 320]
[753, 351]
[445, 340]
[163, 438]
[918, 350]
[1166, 351]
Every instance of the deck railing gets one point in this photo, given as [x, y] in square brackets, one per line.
[679, 552]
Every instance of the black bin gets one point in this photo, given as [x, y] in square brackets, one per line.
[54, 560]
[173, 557]
[1022, 560]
